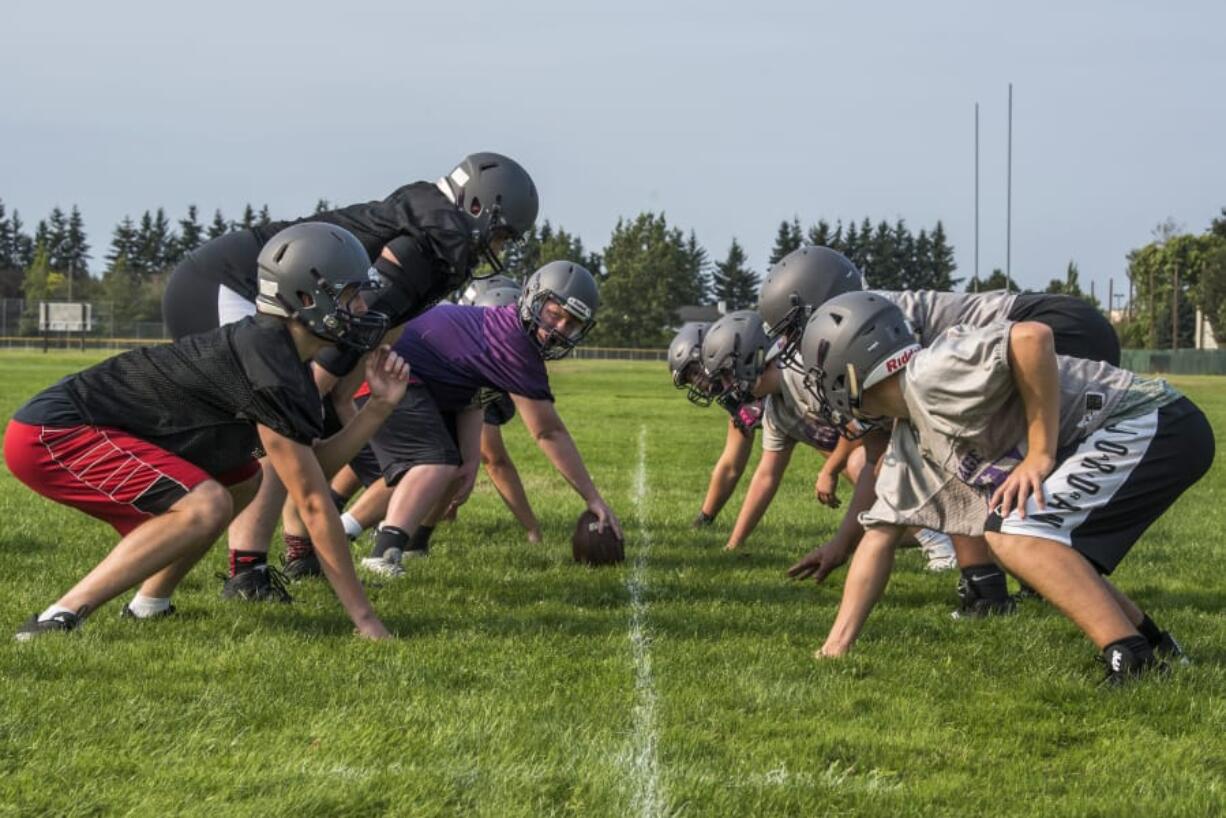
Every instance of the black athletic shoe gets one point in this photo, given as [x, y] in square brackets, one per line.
[1170, 650]
[1123, 665]
[62, 622]
[981, 608]
[301, 567]
[126, 613]
[262, 583]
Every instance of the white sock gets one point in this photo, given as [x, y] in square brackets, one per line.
[53, 610]
[352, 527]
[143, 607]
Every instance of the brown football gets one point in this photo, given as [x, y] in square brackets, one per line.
[593, 547]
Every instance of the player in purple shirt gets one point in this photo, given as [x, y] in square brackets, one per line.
[428, 450]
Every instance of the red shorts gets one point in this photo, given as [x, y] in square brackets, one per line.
[105, 472]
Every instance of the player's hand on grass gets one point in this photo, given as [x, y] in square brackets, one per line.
[372, 628]
[605, 517]
[387, 374]
[826, 489]
[831, 650]
[1026, 480]
[819, 562]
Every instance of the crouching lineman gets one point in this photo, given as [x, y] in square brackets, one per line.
[685, 366]
[739, 358]
[808, 277]
[1063, 462]
[158, 442]
[428, 449]
[424, 240]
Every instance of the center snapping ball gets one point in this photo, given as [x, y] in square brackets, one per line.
[591, 546]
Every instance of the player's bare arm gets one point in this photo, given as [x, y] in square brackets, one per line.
[299, 469]
[866, 580]
[553, 438]
[1032, 359]
[762, 488]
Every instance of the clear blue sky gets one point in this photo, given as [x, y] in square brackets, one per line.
[727, 116]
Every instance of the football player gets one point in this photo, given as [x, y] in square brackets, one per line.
[740, 359]
[158, 442]
[428, 450]
[424, 241]
[685, 366]
[810, 276]
[1061, 462]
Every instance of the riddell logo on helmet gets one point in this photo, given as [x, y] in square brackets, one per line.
[896, 363]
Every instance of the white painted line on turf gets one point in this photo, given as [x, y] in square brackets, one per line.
[648, 799]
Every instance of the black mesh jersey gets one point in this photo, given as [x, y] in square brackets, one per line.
[200, 397]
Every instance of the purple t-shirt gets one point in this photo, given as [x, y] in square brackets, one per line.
[456, 350]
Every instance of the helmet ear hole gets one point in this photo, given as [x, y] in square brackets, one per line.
[281, 251]
[474, 206]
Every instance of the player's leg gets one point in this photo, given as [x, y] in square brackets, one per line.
[1099, 501]
[164, 508]
[505, 477]
[419, 455]
[153, 597]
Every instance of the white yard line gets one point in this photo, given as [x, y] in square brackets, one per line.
[648, 799]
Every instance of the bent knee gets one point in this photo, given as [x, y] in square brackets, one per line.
[208, 505]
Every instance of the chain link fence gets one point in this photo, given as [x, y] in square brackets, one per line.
[19, 329]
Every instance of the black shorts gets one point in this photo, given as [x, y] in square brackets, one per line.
[1080, 330]
[417, 433]
[190, 303]
[1104, 495]
[500, 410]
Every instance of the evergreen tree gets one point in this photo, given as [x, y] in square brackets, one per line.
[219, 226]
[55, 238]
[734, 283]
[248, 221]
[1071, 285]
[881, 265]
[6, 241]
[996, 281]
[265, 218]
[698, 263]
[920, 268]
[23, 245]
[121, 290]
[191, 236]
[125, 244]
[820, 234]
[154, 239]
[903, 249]
[787, 239]
[322, 206]
[851, 247]
[76, 251]
[943, 265]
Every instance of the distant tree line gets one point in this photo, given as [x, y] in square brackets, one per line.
[648, 268]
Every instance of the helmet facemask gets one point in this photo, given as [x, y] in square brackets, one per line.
[556, 344]
[326, 314]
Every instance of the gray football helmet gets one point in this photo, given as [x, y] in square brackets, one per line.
[851, 343]
[498, 197]
[574, 289]
[480, 286]
[685, 362]
[498, 297]
[798, 284]
[309, 272]
[735, 353]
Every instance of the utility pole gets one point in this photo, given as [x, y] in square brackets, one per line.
[1009, 201]
[975, 288]
[1174, 306]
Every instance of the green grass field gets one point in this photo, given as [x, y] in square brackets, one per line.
[680, 684]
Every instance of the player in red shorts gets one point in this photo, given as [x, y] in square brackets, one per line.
[159, 442]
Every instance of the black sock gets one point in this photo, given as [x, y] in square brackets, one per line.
[389, 536]
[421, 538]
[339, 499]
[986, 581]
[1150, 630]
[241, 561]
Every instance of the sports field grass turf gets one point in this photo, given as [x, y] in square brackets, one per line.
[679, 684]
